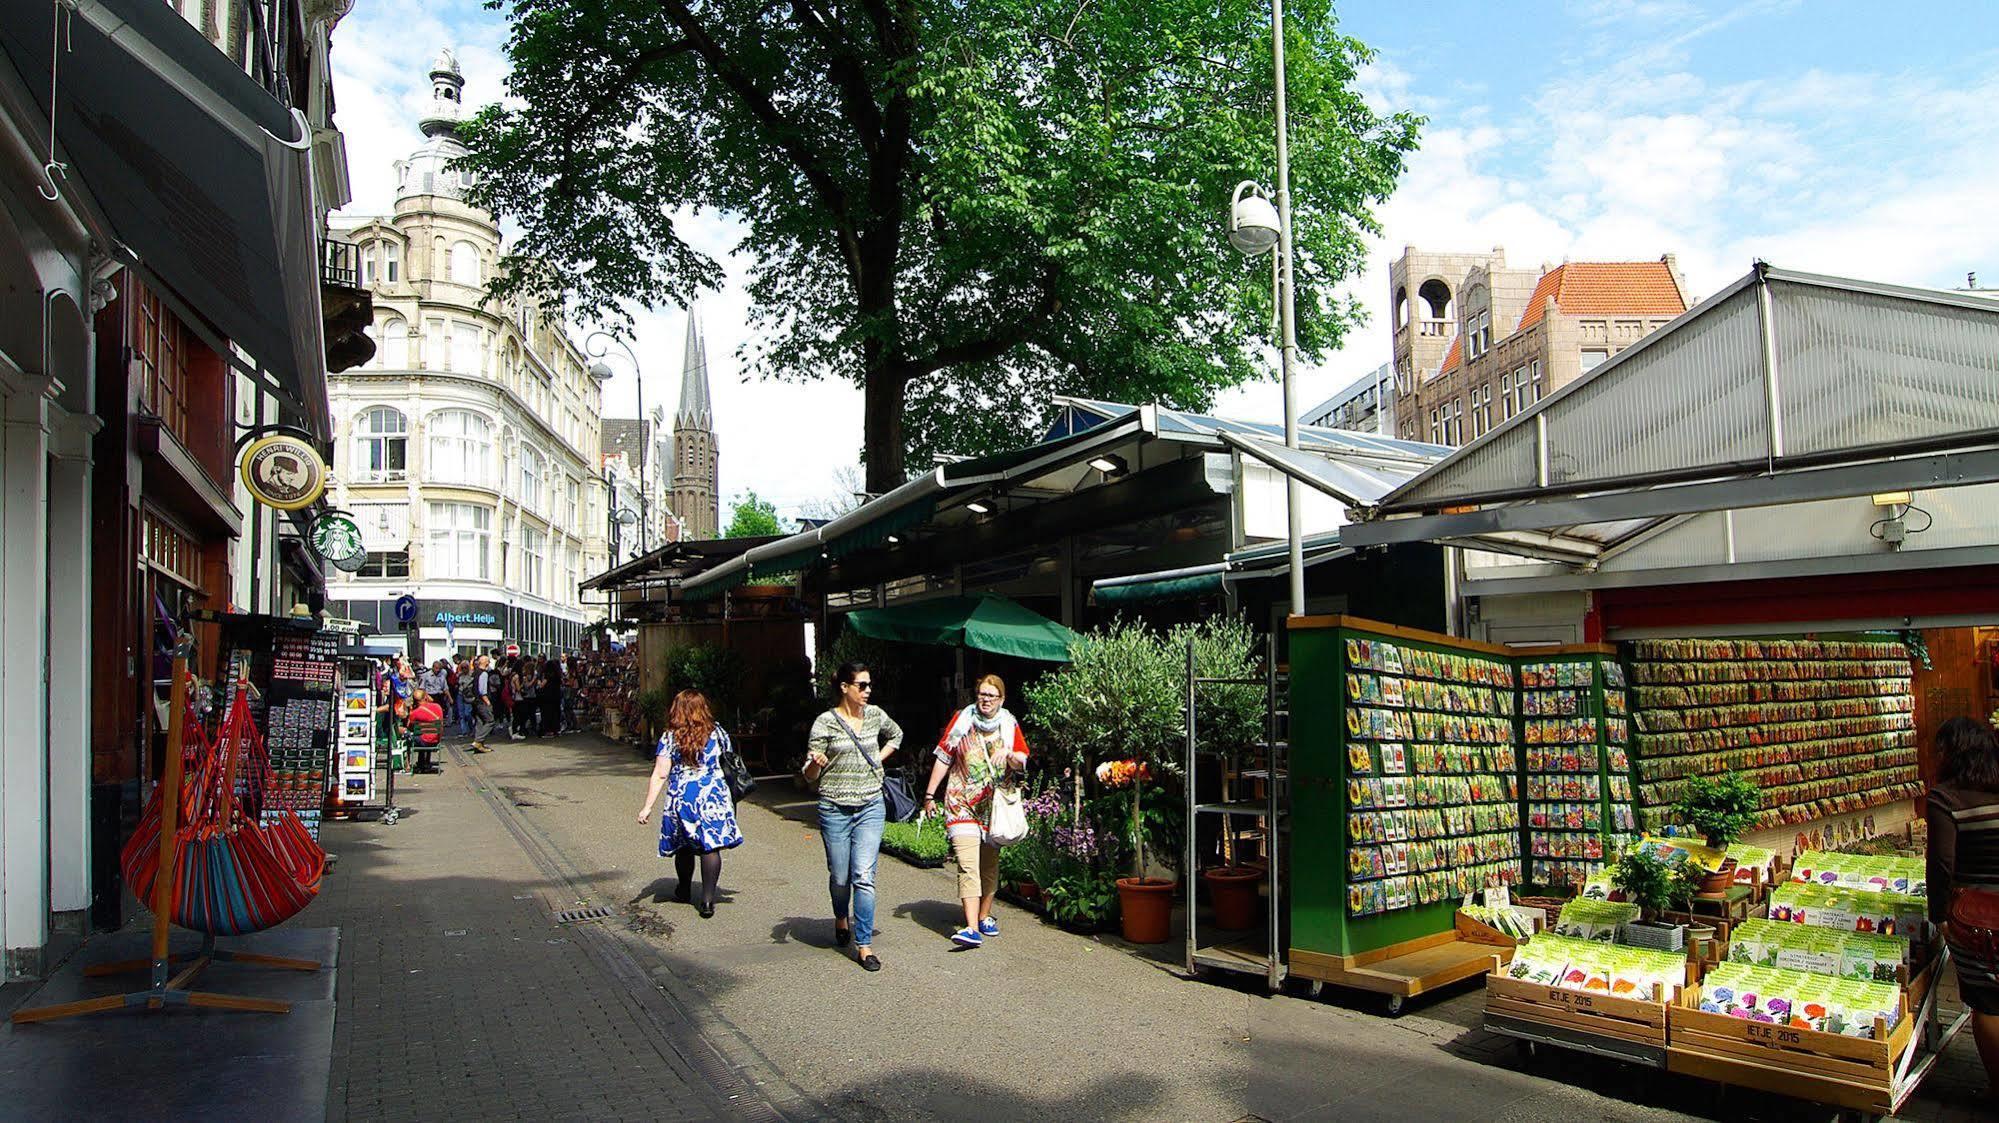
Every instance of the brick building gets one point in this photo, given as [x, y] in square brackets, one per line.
[1477, 342]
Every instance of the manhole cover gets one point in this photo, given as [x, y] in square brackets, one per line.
[574, 916]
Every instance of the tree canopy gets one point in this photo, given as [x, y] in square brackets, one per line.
[963, 206]
[752, 518]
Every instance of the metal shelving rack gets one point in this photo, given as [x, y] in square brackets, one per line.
[1266, 811]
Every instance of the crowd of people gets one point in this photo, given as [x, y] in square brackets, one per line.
[521, 696]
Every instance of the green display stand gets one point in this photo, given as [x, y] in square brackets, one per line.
[1350, 937]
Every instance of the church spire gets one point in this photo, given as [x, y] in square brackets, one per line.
[695, 410]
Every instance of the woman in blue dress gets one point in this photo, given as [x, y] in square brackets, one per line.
[700, 815]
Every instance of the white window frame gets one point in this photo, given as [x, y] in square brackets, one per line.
[373, 442]
[458, 448]
[392, 261]
[530, 475]
[534, 557]
[460, 541]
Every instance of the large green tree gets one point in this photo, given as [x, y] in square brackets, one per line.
[960, 205]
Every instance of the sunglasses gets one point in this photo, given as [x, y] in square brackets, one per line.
[989, 697]
[862, 685]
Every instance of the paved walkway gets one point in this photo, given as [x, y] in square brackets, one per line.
[459, 996]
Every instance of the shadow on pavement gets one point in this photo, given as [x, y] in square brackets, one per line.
[812, 931]
[941, 917]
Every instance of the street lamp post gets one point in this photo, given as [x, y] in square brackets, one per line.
[601, 370]
[1254, 228]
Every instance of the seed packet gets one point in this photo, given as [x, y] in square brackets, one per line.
[1723, 991]
[1359, 760]
[1394, 759]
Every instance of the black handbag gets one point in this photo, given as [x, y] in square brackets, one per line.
[736, 773]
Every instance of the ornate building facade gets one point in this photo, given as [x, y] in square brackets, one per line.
[467, 448]
[696, 454]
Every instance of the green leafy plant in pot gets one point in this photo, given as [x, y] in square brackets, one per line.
[1648, 883]
[1720, 810]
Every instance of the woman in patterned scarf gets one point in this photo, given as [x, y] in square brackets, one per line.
[977, 749]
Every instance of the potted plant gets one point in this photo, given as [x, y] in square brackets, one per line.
[1144, 903]
[1720, 810]
[1648, 883]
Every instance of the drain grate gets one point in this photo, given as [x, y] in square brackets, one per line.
[574, 916]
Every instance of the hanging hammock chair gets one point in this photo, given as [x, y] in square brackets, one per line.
[232, 872]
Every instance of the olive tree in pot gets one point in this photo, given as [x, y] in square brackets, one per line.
[1719, 810]
[1114, 712]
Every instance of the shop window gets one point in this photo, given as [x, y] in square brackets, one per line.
[459, 448]
[170, 549]
[461, 538]
[387, 563]
[381, 445]
[162, 354]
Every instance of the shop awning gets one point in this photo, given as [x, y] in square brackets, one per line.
[202, 179]
[1784, 388]
[1190, 583]
[988, 623]
[1356, 482]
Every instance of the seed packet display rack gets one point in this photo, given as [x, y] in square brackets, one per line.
[1575, 757]
[1410, 795]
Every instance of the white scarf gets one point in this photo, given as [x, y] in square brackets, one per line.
[968, 719]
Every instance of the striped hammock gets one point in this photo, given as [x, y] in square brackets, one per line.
[232, 873]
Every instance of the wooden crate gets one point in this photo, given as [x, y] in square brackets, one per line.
[1479, 932]
[1636, 1020]
[1826, 1068]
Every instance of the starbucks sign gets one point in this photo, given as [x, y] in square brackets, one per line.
[283, 471]
[337, 538]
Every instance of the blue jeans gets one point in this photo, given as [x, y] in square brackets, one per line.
[464, 714]
[853, 839]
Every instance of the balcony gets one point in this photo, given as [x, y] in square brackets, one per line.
[1439, 329]
[348, 308]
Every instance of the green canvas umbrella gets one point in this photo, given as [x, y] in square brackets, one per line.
[986, 622]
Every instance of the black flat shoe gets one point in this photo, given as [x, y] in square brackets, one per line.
[683, 894]
[706, 911]
[843, 936]
[871, 962]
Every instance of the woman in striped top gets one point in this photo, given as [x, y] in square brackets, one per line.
[844, 753]
[1964, 871]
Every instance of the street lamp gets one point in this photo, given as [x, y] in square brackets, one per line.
[1254, 229]
[601, 371]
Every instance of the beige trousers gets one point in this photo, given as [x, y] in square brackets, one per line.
[978, 865]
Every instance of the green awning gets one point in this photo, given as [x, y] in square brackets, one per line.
[985, 622]
[1188, 587]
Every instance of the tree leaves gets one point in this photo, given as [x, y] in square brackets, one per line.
[979, 203]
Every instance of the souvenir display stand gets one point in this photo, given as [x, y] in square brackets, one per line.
[354, 787]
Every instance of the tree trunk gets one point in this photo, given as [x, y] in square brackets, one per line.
[881, 424]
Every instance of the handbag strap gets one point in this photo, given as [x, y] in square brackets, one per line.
[873, 764]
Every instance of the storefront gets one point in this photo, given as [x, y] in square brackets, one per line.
[445, 628]
[1776, 518]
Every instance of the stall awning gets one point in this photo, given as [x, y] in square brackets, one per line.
[1351, 481]
[1190, 583]
[988, 623]
[1784, 388]
[203, 179]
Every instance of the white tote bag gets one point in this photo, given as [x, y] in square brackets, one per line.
[1006, 820]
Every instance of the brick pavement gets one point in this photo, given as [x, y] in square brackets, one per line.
[459, 995]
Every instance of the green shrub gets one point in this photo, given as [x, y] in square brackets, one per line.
[1719, 810]
[922, 841]
[717, 672]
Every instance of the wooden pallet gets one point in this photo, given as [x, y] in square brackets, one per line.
[1636, 1021]
[1849, 1072]
[1402, 970]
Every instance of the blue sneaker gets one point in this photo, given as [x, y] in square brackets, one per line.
[967, 937]
[989, 927]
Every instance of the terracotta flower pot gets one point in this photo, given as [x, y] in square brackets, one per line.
[1717, 882]
[1232, 890]
[1145, 908]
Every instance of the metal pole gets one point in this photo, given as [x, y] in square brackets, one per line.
[1190, 874]
[1287, 310]
[645, 439]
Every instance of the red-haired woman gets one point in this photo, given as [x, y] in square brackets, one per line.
[700, 816]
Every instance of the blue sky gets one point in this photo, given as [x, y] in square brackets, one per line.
[1838, 137]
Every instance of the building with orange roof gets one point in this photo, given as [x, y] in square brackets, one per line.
[1477, 342]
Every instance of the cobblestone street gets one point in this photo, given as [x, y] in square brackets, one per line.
[461, 995]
